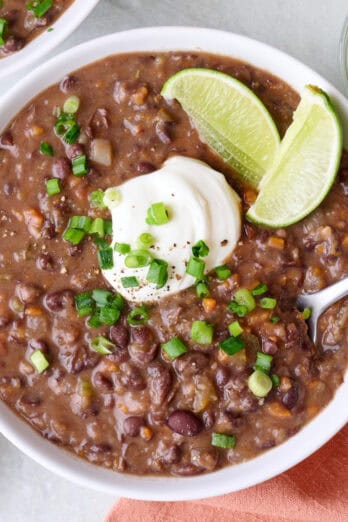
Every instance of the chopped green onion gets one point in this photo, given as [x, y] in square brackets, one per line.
[222, 272]
[39, 361]
[202, 289]
[240, 310]
[157, 214]
[138, 316]
[102, 345]
[3, 28]
[84, 304]
[71, 105]
[53, 186]
[122, 248]
[97, 227]
[195, 267]
[74, 235]
[105, 258]
[129, 282]
[109, 315]
[200, 249]
[158, 273]
[268, 303]
[307, 312]
[232, 345]
[275, 380]
[263, 362]
[202, 332]
[94, 321]
[108, 227]
[221, 440]
[259, 383]
[137, 259]
[112, 197]
[79, 165]
[46, 148]
[101, 243]
[81, 222]
[96, 199]
[260, 289]
[235, 329]
[71, 135]
[174, 348]
[145, 240]
[117, 301]
[244, 297]
[101, 296]
[39, 7]
[275, 319]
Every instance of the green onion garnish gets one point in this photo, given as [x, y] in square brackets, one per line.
[244, 297]
[275, 380]
[200, 249]
[195, 267]
[260, 289]
[74, 235]
[232, 345]
[108, 227]
[39, 7]
[240, 310]
[202, 332]
[94, 321]
[84, 304]
[145, 240]
[259, 383]
[307, 312]
[220, 440]
[174, 348]
[53, 186]
[109, 314]
[157, 214]
[263, 362]
[101, 296]
[39, 361]
[96, 199]
[71, 135]
[105, 258]
[235, 329]
[46, 148]
[129, 282]
[275, 319]
[158, 273]
[79, 165]
[3, 28]
[268, 303]
[137, 259]
[222, 272]
[71, 105]
[81, 222]
[138, 316]
[122, 248]
[102, 345]
[97, 227]
[202, 289]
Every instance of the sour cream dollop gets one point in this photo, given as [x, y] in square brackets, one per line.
[201, 206]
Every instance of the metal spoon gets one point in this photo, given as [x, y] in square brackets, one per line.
[320, 301]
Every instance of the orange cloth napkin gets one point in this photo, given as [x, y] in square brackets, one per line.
[314, 491]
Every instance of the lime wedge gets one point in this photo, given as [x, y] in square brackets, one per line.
[305, 166]
[229, 117]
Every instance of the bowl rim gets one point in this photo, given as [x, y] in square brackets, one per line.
[48, 40]
[232, 478]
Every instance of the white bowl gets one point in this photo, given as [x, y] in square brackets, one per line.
[47, 41]
[232, 478]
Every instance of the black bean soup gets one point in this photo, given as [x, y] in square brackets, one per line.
[135, 409]
[23, 20]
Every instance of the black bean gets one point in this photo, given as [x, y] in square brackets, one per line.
[6, 140]
[57, 301]
[269, 347]
[191, 363]
[100, 448]
[68, 83]
[168, 454]
[48, 230]
[103, 382]
[119, 335]
[132, 425]
[82, 359]
[131, 378]
[205, 458]
[145, 167]
[8, 189]
[13, 44]
[38, 344]
[290, 398]
[222, 376]
[74, 250]
[143, 347]
[45, 262]
[160, 380]
[185, 423]
[61, 168]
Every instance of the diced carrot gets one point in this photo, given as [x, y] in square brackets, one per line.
[36, 130]
[146, 432]
[33, 311]
[278, 410]
[276, 242]
[124, 408]
[250, 196]
[209, 304]
[34, 221]
[285, 384]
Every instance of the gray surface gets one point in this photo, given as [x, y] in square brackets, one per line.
[309, 30]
